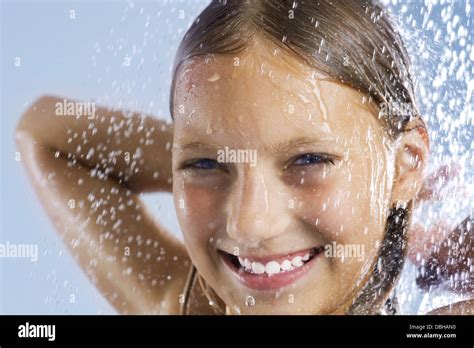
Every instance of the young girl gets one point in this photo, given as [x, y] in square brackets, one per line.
[294, 158]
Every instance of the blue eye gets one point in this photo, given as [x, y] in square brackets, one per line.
[202, 164]
[312, 158]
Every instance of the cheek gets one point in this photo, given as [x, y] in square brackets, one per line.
[340, 206]
[196, 207]
[339, 211]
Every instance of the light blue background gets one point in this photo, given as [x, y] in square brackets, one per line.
[80, 58]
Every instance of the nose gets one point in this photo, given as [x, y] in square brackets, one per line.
[256, 209]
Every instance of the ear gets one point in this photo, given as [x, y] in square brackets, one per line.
[410, 162]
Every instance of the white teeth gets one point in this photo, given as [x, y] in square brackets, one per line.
[247, 264]
[258, 268]
[272, 267]
[297, 261]
[286, 265]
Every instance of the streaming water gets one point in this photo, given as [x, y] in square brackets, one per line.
[437, 36]
[325, 174]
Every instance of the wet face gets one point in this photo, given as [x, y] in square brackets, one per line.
[282, 182]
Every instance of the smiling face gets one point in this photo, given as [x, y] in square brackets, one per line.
[288, 172]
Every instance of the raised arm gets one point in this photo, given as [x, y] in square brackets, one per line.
[88, 173]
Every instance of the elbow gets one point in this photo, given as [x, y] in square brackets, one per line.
[32, 121]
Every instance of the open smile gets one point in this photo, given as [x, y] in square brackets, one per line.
[271, 272]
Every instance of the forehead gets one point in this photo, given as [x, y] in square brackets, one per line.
[265, 93]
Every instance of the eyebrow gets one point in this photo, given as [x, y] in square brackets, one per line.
[280, 147]
[300, 141]
[196, 145]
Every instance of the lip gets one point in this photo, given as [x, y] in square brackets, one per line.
[265, 282]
